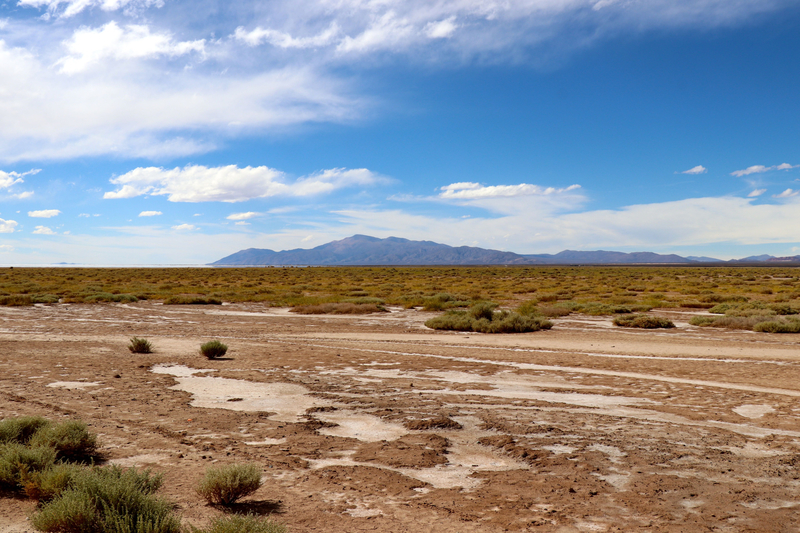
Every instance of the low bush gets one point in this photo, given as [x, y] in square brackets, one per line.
[192, 300]
[16, 300]
[50, 482]
[70, 439]
[213, 349]
[643, 321]
[44, 299]
[18, 460]
[21, 429]
[482, 318]
[778, 326]
[242, 524]
[108, 297]
[728, 322]
[344, 308]
[138, 345]
[108, 500]
[226, 484]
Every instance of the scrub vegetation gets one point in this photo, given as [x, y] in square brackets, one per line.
[530, 292]
[53, 464]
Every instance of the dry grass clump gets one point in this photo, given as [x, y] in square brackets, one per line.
[482, 318]
[242, 524]
[643, 321]
[139, 345]
[213, 349]
[342, 308]
[225, 485]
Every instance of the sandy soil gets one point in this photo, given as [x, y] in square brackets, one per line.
[378, 424]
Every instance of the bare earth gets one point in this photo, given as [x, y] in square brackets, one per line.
[586, 427]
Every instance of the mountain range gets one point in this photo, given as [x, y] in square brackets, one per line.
[366, 250]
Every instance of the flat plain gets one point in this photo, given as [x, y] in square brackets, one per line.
[377, 423]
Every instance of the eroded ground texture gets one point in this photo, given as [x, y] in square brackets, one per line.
[379, 424]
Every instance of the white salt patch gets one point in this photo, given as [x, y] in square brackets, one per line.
[559, 448]
[139, 460]
[363, 427]
[287, 400]
[361, 511]
[690, 505]
[571, 398]
[266, 442]
[753, 411]
[179, 371]
[612, 452]
[73, 384]
[618, 481]
[752, 450]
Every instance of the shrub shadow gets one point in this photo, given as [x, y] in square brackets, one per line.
[256, 507]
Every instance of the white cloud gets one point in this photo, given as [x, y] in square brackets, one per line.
[84, 215]
[43, 230]
[760, 169]
[441, 29]
[756, 192]
[23, 195]
[6, 248]
[523, 197]
[88, 46]
[280, 39]
[699, 169]
[141, 107]
[73, 7]
[44, 213]
[150, 213]
[195, 183]
[7, 226]
[9, 179]
[788, 193]
[242, 216]
[242, 223]
[182, 227]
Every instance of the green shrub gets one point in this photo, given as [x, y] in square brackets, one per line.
[778, 326]
[70, 439]
[213, 349]
[341, 308]
[108, 500]
[108, 297]
[15, 300]
[138, 345]
[482, 318]
[45, 299]
[643, 321]
[50, 482]
[20, 430]
[242, 524]
[18, 461]
[226, 484]
[191, 300]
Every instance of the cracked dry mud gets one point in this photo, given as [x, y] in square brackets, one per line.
[378, 424]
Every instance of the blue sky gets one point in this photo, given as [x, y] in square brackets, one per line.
[178, 132]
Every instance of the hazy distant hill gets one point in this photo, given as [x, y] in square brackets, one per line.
[704, 259]
[571, 257]
[365, 250]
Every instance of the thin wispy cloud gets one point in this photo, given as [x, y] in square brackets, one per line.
[788, 193]
[699, 169]
[760, 169]
[150, 213]
[756, 192]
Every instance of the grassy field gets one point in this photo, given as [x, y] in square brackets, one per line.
[435, 288]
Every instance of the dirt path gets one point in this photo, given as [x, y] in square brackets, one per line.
[378, 424]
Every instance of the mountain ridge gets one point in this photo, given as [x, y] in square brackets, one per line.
[366, 250]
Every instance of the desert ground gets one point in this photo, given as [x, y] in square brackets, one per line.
[377, 423]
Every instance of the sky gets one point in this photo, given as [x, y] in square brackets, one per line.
[179, 132]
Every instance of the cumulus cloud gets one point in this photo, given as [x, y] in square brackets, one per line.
[756, 192]
[788, 193]
[44, 213]
[196, 183]
[760, 169]
[184, 227]
[7, 226]
[150, 213]
[43, 230]
[242, 216]
[699, 169]
[9, 179]
[469, 190]
[89, 46]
